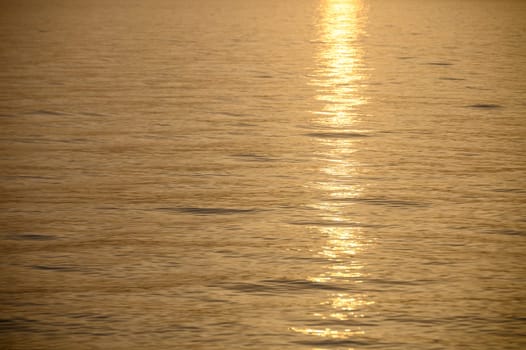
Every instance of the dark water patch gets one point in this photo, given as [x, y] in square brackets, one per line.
[306, 259]
[271, 287]
[485, 106]
[92, 114]
[245, 125]
[29, 237]
[337, 135]
[46, 112]
[77, 140]
[94, 334]
[233, 114]
[331, 342]
[386, 282]
[286, 284]
[248, 157]
[90, 316]
[55, 268]
[396, 203]
[101, 334]
[318, 41]
[34, 177]
[16, 324]
[250, 288]
[209, 211]
[68, 141]
[329, 223]
[33, 139]
[109, 208]
[421, 321]
[439, 64]
[437, 263]
[510, 190]
[507, 232]
[44, 140]
[477, 88]
[451, 78]
[316, 323]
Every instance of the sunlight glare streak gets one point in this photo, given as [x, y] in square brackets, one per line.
[341, 69]
[338, 84]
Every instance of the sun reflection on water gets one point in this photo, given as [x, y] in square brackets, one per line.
[340, 72]
[338, 82]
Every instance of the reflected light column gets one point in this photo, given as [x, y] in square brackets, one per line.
[338, 82]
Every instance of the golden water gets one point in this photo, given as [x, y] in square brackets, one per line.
[318, 174]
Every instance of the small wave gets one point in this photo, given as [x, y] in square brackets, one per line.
[89, 315]
[234, 114]
[329, 223]
[377, 281]
[439, 64]
[47, 112]
[208, 211]
[93, 114]
[508, 232]
[332, 342]
[16, 177]
[16, 324]
[337, 135]
[286, 284]
[248, 157]
[55, 268]
[30, 237]
[485, 106]
[451, 78]
[397, 203]
[510, 190]
[282, 286]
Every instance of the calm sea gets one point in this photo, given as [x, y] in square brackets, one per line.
[263, 174]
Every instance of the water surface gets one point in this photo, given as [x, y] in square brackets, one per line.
[320, 174]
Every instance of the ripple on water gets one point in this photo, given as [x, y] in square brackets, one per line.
[29, 237]
[485, 106]
[17, 324]
[337, 135]
[46, 112]
[209, 211]
[282, 286]
[248, 157]
[331, 341]
[507, 232]
[397, 203]
[439, 63]
[56, 268]
[451, 78]
[333, 223]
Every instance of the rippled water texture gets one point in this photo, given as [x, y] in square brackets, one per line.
[301, 174]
